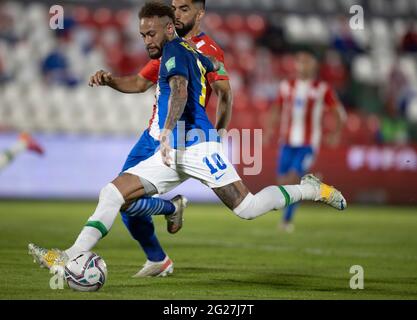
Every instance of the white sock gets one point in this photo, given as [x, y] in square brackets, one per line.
[253, 206]
[100, 223]
[273, 198]
[299, 192]
[308, 192]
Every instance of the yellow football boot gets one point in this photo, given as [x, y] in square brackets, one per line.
[325, 193]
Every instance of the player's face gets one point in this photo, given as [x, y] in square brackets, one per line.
[155, 33]
[305, 65]
[187, 14]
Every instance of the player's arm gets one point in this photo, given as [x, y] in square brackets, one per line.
[224, 104]
[176, 105]
[272, 119]
[340, 117]
[216, 63]
[331, 100]
[270, 124]
[129, 84]
[223, 91]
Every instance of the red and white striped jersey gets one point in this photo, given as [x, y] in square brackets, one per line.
[302, 103]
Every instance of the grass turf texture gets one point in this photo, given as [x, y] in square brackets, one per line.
[218, 256]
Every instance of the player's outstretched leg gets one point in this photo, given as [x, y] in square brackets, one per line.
[249, 206]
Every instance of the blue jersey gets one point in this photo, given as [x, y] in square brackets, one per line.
[180, 59]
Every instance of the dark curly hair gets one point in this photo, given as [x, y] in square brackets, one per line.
[158, 9]
[202, 2]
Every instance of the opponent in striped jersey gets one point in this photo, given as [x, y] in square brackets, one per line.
[300, 104]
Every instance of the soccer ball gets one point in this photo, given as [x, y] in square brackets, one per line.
[86, 271]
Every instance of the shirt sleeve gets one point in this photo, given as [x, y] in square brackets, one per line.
[151, 70]
[174, 62]
[220, 74]
[330, 98]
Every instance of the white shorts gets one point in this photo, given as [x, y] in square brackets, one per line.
[204, 161]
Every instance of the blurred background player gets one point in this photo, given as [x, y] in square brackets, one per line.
[25, 142]
[299, 110]
[188, 15]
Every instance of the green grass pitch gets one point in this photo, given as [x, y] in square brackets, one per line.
[218, 256]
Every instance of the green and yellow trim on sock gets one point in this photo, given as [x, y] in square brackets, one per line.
[99, 226]
[286, 196]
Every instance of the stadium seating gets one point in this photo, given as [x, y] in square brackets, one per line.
[44, 73]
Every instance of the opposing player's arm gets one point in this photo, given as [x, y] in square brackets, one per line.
[271, 122]
[176, 105]
[340, 116]
[331, 100]
[216, 63]
[224, 104]
[131, 84]
[128, 84]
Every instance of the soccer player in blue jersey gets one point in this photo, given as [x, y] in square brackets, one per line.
[187, 146]
[188, 15]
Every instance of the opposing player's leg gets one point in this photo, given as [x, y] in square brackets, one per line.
[140, 225]
[147, 206]
[137, 219]
[288, 178]
[294, 162]
[142, 229]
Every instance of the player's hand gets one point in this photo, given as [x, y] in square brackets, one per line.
[165, 148]
[100, 78]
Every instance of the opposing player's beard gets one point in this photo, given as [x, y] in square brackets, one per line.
[186, 28]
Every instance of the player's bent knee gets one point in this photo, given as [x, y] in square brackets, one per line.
[110, 193]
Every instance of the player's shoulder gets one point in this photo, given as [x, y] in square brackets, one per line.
[206, 44]
[174, 46]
